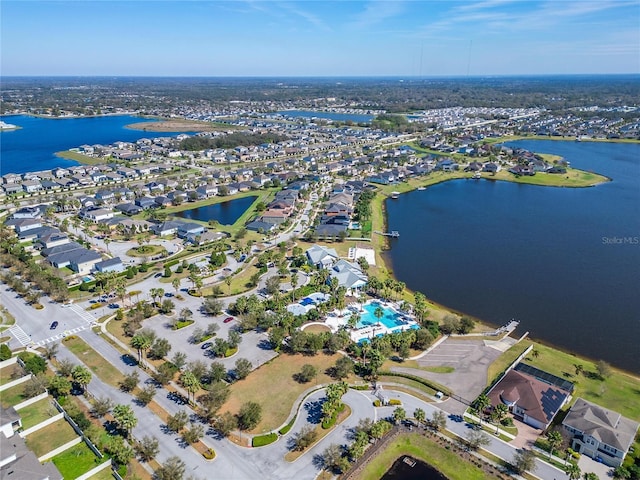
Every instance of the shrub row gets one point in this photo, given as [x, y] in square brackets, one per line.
[210, 454]
[395, 401]
[359, 387]
[427, 383]
[331, 421]
[284, 430]
[262, 440]
[171, 263]
[179, 325]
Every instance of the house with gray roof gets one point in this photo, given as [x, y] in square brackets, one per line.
[321, 257]
[349, 275]
[599, 433]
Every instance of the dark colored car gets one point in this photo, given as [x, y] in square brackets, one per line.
[227, 320]
[53, 325]
[206, 345]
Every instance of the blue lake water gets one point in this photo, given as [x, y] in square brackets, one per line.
[563, 261]
[32, 147]
[342, 117]
[226, 213]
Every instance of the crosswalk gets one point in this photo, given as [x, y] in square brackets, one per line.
[60, 336]
[82, 313]
[20, 334]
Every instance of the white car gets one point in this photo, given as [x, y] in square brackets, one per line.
[67, 305]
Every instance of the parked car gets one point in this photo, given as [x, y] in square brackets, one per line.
[206, 345]
[67, 305]
[227, 320]
[157, 275]
[53, 326]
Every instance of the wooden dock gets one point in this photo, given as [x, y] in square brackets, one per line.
[393, 234]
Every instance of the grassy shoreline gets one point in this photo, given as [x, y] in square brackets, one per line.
[512, 138]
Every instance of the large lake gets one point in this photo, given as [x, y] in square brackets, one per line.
[341, 117]
[563, 261]
[32, 147]
[225, 213]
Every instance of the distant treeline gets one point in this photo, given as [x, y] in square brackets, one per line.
[230, 141]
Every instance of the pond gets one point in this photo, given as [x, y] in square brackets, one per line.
[408, 468]
[225, 213]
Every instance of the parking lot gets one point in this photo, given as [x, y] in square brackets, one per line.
[254, 347]
[470, 360]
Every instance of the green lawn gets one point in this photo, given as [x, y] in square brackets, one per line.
[76, 461]
[12, 396]
[94, 361]
[50, 437]
[146, 251]
[620, 392]
[506, 359]
[104, 474]
[37, 412]
[420, 447]
[273, 387]
[80, 158]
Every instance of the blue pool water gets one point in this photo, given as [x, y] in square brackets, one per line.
[390, 319]
[306, 301]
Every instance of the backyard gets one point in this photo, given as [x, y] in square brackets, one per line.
[37, 412]
[12, 396]
[77, 460]
[50, 437]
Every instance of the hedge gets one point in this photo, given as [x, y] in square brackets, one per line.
[427, 383]
[395, 401]
[262, 440]
[210, 454]
[180, 325]
[171, 263]
[359, 387]
[284, 430]
[331, 421]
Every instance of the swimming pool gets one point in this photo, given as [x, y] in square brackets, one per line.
[306, 301]
[390, 318]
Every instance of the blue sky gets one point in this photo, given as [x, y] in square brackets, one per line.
[319, 38]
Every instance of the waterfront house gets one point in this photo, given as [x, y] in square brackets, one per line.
[532, 396]
[189, 229]
[165, 228]
[599, 433]
[145, 203]
[128, 208]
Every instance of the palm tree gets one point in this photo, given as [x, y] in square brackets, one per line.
[140, 342]
[554, 439]
[420, 415]
[190, 383]
[81, 375]
[378, 313]
[175, 283]
[124, 416]
[481, 404]
[573, 470]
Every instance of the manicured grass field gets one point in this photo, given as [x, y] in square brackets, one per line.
[317, 329]
[50, 437]
[96, 363]
[76, 461]
[37, 412]
[420, 447]
[506, 359]
[80, 158]
[273, 387]
[620, 392]
[12, 396]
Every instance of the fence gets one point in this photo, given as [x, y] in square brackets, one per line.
[371, 451]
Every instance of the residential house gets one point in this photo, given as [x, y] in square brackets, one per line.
[96, 214]
[31, 186]
[260, 226]
[128, 208]
[189, 229]
[321, 257]
[146, 203]
[111, 265]
[532, 398]
[16, 460]
[600, 433]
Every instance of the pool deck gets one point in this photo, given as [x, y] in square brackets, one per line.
[338, 318]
